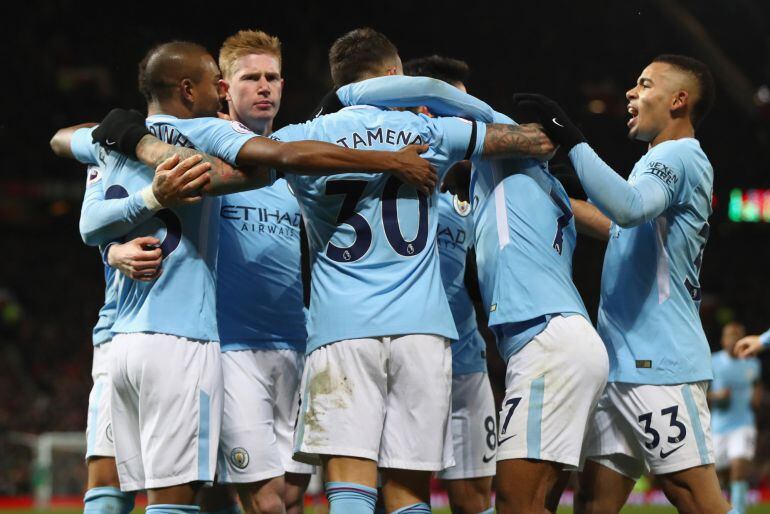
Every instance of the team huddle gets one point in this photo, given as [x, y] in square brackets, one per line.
[211, 367]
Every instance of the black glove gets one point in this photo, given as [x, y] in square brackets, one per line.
[329, 103]
[121, 130]
[552, 117]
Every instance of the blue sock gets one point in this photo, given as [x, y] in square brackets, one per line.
[107, 500]
[738, 492]
[416, 508]
[232, 509]
[490, 510]
[169, 508]
[350, 498]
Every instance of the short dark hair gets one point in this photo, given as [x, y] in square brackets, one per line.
[357, 53]
[438, 67]
[161, 64]
[702, 75]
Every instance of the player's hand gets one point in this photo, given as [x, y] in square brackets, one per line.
[458, 180]
[179, 182]
[139, 259]
[121, 130]
[224, 116]
[746, 347]
[413, 169]
[551, 116]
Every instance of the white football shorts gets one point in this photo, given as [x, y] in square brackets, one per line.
[386, 399]
[552, 387]
[260, 412]
[99, 440]
[651, 428]
[474, 428]
[739, 443]
[166, 409]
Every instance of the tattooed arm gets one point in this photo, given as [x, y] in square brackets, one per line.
[503, 140]
[259, 155]
[223, 178]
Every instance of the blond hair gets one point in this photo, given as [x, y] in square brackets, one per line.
[246, 42]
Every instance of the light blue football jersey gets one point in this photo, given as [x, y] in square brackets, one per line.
[650, 290]
[455, 237]
[259, 285]
[525, 237]
[102, 331]
[374, 258]
[182, 301]
[739, 377]
[525, 232]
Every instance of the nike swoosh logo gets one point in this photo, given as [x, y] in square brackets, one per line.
[501, 441]
[663, 454]
[557, 123]
[108, 142]
[487, 459]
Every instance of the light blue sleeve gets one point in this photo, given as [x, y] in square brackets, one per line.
[628, 205]
[290, 133]
[459, 139]
[217, 137]
[102, 221]
[764, 338]
[83, 147]
[287, 134]
[440, 98]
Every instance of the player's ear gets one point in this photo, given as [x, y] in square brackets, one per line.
[680, 103]
[187, 88]
[224, 89]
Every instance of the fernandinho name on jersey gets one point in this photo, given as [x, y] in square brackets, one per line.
[182, 300]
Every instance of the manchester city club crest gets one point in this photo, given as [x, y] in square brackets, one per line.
[239, 457]
[463, 208]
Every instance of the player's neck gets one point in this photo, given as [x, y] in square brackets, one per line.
[676, 129]
[263, 127]
[170, 108]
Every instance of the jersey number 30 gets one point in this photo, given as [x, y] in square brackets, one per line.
[353, 190]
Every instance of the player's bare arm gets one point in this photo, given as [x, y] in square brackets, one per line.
[589, 220]
[529, 140]
[748, 346]
[719, 399]
[60, 142]
[259, 155]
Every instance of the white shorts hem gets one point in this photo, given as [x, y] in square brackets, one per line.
[679, 466]
[560, 459]
[466, 473]
[156, 483]
[248, 479]
[411, 465]
[312, 454]
[104, 451]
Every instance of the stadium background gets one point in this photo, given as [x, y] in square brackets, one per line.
[67, 62]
